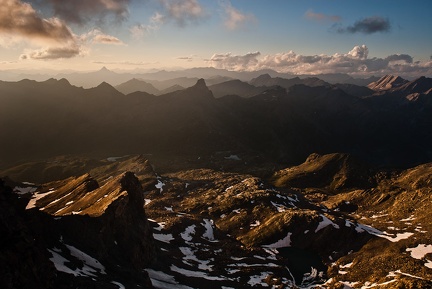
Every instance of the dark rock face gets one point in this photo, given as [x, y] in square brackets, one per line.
[118, 234]
[24, 259]
[108, 223]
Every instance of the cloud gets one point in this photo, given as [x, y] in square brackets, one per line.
[235, 18]
[97, 36]
[235, 62]
[85, 11]
[107, 39]
[368, 25]
[138, 31]
[360, 52]
[52, 53]
[21, 20]
[322, 17]
[183, 12]
[187, 58]
[354, 62]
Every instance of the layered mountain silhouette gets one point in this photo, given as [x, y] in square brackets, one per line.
[56, 118]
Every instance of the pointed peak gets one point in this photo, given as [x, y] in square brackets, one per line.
[201, 83]
[262, 77]
[105, 85]
[104, 69]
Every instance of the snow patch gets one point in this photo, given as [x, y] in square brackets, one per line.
[280, 208]
[208, 234]
[324, 223]
[187, 234]
[196, 274]
[87, 259]
[160, 185]
[258, 280]
[162, 280]
[90, 264]
[189, 255]
[420, 252]
[166, 238]
[362, 228]
[37, 196]
[285, 242]
[24, 190]
[255, 224]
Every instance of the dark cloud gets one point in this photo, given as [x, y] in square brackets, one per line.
[20, 19]
[85, 11]
[368, 25]
[400, 57]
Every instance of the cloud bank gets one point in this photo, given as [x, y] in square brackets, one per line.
[20, 19]
[355, 62]
[368, 25]
[20, 22]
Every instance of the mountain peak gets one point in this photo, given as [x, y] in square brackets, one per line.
[419, 85]
[200, 84]
[387, 82]
[106, 87]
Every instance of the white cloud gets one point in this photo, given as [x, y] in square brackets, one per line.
[235, 62]
[234, 18]
[97, 36]
[355, 62]
[53, 53]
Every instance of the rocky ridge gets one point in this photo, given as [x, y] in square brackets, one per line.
[235, 230]
[92, 235]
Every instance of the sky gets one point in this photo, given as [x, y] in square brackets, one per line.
[361, 38]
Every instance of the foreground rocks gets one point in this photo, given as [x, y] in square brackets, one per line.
[77, 234]
[330, 222]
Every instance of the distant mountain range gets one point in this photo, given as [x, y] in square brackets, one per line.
[388, 127]
[212, 76]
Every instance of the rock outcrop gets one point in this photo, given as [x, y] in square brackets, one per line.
[76, 232]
